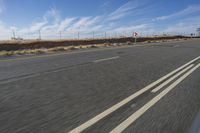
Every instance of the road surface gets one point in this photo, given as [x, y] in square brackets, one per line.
[140, 89]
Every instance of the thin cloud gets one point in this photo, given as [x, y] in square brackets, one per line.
[106, 4]
[123, 10]
[6, 31]
[50, 24]
[65, 23]
[84, 23]
[48, 21]
[131, 28]
[37, 26]
[52, 15]
[2, 6]
[105, 7]
[187, 25]
[187, 11]
[132, 7]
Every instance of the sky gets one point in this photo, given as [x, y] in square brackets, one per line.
[67, 18]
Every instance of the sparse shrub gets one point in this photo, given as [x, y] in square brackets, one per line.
[107, 44]
[58, 49]
[10, 53]
[39, 51]
[73, 48]
[128, 43]
[94, 46]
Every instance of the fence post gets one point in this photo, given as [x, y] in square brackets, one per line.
[135, 39]
[60, 35]
[78, 35]
[39, 35]
[13, 31]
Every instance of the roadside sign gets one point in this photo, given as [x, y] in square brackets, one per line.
[135, 34]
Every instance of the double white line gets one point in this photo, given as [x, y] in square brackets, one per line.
[147, 106]
[188, 68]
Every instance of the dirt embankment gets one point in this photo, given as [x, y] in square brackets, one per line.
[35, 44]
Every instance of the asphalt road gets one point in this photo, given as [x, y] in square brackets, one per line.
[103, 90]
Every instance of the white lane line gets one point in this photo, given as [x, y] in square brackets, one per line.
[100, 60]
[6, 81]
[152, 102]
[110, 110]
[171, 79]
[18, 78]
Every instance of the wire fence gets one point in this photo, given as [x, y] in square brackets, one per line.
[85, 35]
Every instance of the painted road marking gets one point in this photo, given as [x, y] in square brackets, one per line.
[152, 102]
[115, 107]
[171, 79]
[106, 59]
[13, 79]
[67, 53]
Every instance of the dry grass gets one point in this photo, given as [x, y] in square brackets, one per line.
[6, 53]
[50, 50]
[71, 48]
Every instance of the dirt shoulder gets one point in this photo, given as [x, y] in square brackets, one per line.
[30, 47]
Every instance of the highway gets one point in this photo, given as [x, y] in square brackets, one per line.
[131, 89]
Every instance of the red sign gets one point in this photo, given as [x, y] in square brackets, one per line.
[135, 34]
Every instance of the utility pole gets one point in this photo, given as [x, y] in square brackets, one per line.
[198, 30]
[39, 35]
[135, 34]
[60, 35]
[105, 35]
[93, 34]
[125, 33]
[13, 31]
[78, 35]
[116, 34]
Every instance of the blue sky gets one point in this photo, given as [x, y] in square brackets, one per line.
[26, 17]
